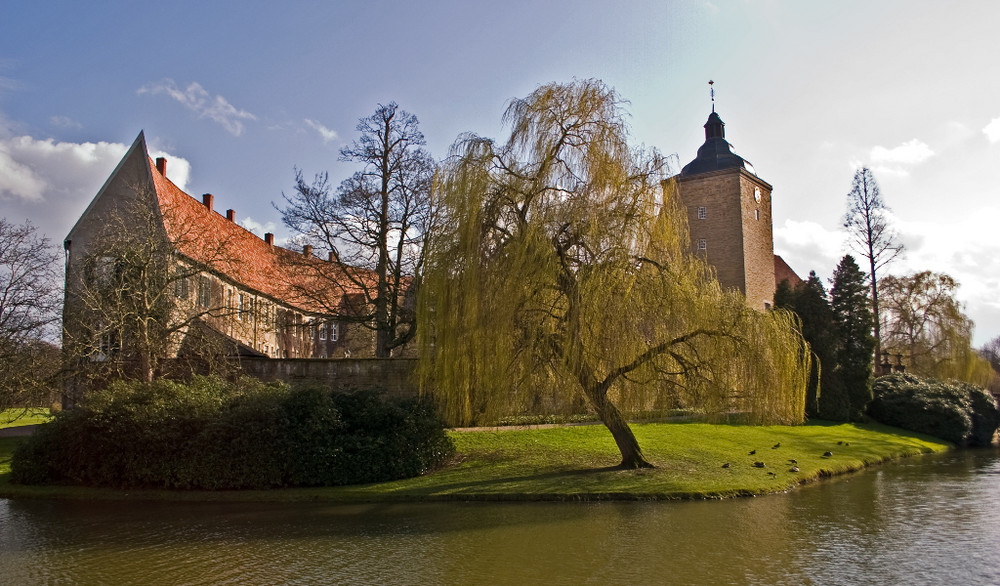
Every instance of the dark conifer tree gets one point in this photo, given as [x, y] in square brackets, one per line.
[809, 301]
[856, 344]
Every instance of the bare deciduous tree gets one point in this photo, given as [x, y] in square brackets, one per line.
[374, 226]
[871, 236]
[563, 268]
[131, 299]
[29, 302]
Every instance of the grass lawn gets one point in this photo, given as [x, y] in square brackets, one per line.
[578, 463]
[19, 417]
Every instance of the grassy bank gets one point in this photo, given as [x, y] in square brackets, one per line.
[20, 417]
[577, 463]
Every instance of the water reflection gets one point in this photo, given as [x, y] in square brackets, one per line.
[923, 520]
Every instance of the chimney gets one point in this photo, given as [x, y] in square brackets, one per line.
[161, 165]
[269, 239]
[332, 257]
[207, 200]
[231, 215]
[307, 250]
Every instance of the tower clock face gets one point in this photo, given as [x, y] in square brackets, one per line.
[756, 194]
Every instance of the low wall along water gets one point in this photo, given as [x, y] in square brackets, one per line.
[393, 376]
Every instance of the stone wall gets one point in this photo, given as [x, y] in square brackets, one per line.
[394, 376]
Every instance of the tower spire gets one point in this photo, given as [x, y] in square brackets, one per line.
[711, 91]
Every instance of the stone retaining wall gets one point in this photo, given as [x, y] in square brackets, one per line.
[394, 376]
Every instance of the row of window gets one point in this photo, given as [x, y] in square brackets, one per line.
[248, 308]
[182, 289]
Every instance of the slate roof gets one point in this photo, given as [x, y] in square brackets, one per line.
[716, 153]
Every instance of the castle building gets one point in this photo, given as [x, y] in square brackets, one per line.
[729, 217]
[202, 275]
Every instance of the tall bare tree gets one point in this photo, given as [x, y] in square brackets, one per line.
[563, 268]
[871, 236]
[29, 302]
[375, 225]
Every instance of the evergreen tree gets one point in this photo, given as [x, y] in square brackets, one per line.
[809, 301]
[856, 344]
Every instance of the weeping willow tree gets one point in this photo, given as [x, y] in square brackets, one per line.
[563, 269]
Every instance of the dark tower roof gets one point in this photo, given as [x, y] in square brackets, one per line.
[716, 153]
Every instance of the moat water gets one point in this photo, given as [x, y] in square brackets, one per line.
[925, 520]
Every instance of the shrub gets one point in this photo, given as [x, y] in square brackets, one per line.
[957, 412]
[217, 435]
[387, 439]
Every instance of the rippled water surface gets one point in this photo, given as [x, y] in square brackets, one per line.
[927, 520]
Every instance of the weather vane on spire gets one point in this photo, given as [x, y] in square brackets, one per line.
[711, 90]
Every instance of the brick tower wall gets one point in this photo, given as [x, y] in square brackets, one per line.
[758, 242]
[737, 230]
[721, 229]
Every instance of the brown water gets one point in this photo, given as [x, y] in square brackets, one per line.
[926, 520]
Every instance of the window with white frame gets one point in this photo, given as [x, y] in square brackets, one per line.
[702, 244]
[702, 212]
[334, 331]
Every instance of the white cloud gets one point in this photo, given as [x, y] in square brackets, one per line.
[807, 246]
[966, 251]
[911, 152]
[197, 99]
[323, 131]
[178, 168]
[992, 130]
[897, 160]
[256, 227]
[52, 182]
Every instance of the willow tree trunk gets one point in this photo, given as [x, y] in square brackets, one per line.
[615, 422]
[597, 393]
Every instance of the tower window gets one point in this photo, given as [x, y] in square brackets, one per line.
[702, 212]
[702, 244]
[756, 214]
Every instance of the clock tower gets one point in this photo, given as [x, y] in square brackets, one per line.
[729, 216]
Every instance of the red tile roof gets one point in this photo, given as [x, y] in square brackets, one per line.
[783, 272]
[227, 248]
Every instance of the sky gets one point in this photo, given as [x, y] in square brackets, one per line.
[237, 95]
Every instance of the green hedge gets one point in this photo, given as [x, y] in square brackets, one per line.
[954, 411]
[211, 434]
